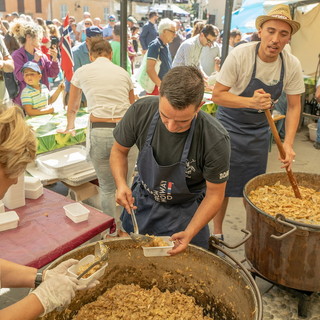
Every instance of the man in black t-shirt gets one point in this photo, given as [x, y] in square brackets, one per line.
[183, 161]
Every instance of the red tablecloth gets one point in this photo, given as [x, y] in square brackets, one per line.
[45, 233]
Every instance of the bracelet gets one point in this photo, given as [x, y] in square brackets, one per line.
[38, 279]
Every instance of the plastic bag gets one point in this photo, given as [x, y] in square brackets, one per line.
[143, 79]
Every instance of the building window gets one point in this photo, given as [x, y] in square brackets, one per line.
[63, 10]
[20, 6]
[38, 6]
[105, 14]
[85, 9]
[2, 5]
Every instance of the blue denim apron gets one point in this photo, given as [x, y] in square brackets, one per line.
[165, 204]
[249, 134]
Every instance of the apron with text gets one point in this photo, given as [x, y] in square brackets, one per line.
[249, 134]
[164, 203]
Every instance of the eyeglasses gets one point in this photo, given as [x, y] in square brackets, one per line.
[209, 42]
[173, 32]
[88, 24]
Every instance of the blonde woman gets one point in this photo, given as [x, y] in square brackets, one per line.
[17, 149]
[29, 35]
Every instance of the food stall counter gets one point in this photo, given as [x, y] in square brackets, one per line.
[45, 232]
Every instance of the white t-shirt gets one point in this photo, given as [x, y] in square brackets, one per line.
[106, 87]
[237, 70]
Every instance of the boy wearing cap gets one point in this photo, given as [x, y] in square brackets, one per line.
[251, 79]
[35, 97]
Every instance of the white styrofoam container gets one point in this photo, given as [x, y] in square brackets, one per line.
[65, 162]
[1, 206]
[34, 193]
[8, 220]
[313, 131]
[76, 212]
[73, 270]
[32, 183]
[158, 251]
[15, 196]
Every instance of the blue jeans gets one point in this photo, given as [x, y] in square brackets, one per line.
[101, 140]
[318, 132]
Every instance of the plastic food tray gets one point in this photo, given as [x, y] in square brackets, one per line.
[73, 270]
[158, 251]
[8, 220]
[76, 212]
[65, 162]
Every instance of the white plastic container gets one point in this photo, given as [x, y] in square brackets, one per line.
[76, 212]
[32, 182]
[313, 131]
[8, 220]
[15, 196]
[158, 251]
[34, 193]
[64, 163]
[1, 206]
[86, 261]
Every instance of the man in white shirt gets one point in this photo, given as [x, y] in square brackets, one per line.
[189, 51]
[252, 79]
[81, 26]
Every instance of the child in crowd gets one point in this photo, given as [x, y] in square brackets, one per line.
[35, 97]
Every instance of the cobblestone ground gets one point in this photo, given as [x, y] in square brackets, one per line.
[279, 304]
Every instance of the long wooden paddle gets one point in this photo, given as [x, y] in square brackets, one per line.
[277, 139]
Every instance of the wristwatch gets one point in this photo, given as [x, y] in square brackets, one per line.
[38, 279]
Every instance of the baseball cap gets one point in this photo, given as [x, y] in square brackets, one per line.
[112, 18]
[93, 31]
[31, 65]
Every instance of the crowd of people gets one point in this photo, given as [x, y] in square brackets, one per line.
[188, 163]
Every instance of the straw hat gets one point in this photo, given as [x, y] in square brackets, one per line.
[280, 12]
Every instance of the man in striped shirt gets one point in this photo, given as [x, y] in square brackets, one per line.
[35, 97]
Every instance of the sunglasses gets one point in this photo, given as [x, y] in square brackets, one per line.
[88, 24]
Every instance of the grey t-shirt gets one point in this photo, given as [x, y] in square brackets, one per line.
[209, 154]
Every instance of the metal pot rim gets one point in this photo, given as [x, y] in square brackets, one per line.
[300, 225]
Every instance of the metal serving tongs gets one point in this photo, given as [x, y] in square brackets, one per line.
[277, 139]
[135, 234]
[101, 251]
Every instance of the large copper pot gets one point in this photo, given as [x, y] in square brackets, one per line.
[222, 287]
[283, 251]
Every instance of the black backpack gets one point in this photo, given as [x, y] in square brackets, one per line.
[11, 84]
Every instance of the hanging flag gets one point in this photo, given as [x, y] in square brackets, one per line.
[65, 49]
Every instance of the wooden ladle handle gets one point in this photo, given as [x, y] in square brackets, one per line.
[277, 139]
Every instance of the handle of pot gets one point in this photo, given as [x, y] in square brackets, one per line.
[229, 246]
[280, 218]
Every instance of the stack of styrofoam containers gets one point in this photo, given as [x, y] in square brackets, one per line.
[33, 187]
[76, 212]
[15, 196]
[8, 220]
[1, 206]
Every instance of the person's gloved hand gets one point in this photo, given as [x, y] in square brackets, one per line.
[57, 292]
[62, 268]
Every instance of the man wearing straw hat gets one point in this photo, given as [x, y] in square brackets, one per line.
[252, 78]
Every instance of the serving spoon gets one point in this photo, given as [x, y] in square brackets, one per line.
[101, 250]
[135, 234]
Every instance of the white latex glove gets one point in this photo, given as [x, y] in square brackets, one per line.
[62, 268]
[57, 292]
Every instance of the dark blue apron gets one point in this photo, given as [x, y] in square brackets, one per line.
[165, 204]
[249, 135]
